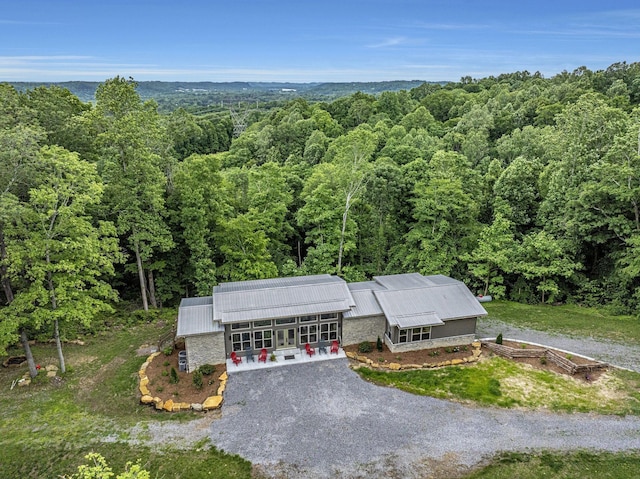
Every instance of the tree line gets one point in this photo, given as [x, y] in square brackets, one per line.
[523, 187]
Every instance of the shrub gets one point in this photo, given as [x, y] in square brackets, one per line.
[434, 353]
[173, 376]
[499, 339]
[543, 360]
[272, 358]
[165, 373]
[197, 379]
[207, 369]
[166, 363]
[364, 347]
[168, 350]
[379, 344]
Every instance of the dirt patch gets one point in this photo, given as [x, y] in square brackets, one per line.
[423, 356]
[159, 374]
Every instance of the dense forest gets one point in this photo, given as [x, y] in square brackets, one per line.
[523, 187]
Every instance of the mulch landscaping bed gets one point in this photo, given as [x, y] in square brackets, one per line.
[159, 374]
[424, 356]
[436, 355]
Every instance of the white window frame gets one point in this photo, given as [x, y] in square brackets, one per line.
[240, 341]
[308, 333]
[327, 332]
[263, 339]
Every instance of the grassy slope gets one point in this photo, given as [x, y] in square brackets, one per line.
[47, 429]
[567, 319]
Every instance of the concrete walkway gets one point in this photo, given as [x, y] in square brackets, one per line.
[321, 420]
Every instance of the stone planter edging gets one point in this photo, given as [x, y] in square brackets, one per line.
[212, 402]
[475, 356]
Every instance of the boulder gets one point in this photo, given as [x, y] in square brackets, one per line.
[144, 390]
[196, 407]
[351, 355]
[455, 362]
[168, 405]
[394, 366]
[223, 376]
[212, 402]
[221, 388]
[146, 399]
[181, 406]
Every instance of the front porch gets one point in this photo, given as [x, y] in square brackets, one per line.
[284, 357]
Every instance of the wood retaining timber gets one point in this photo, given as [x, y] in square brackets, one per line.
[551, 355]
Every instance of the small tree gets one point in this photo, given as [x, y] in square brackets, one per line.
[379, 344]
[173, 376]
[197, 379]
[499, 339]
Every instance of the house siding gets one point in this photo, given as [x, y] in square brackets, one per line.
[204, 349]
[357, 330]
[429, 343]
[453, 328]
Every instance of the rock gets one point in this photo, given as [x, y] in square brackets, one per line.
[181, 406]
[50, 368]
[221, 388]
[143, 370]
[25, 382]
[368, 361]
[351, 355]
[144, 381]
[146, 399]
[394, 366]
[168, 405]
[212, 402]
[455, 362]
[477, 353]
[196, 407]
[375, 365]
[476, 344]
[159, 403]
[223, 376]
[51, 374]
[144, 390]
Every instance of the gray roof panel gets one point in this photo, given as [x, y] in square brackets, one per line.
[366, 305]
[271, 283]
[365, 285]
[418, 320]
[198, 301]
[450, 301]
[403, 281]
[194, 320]
[316, 295]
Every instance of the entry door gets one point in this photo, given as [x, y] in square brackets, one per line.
[286, 338]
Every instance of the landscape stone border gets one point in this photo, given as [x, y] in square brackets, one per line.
[212, 402]
[475, 356]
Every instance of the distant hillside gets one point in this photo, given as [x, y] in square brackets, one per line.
[172, 94]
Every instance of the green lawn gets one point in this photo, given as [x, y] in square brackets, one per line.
[574, 465]
[503, 383]
[567, 319]
[47, 429]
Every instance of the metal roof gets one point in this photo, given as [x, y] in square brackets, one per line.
[198, 301]
[364, 285]
[255, 284]
[403, 281]
[282, 298]
[366, 304]
[418, 320]
[448, 301]
[194, 319]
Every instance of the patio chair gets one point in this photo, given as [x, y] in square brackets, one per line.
[322, 347]
[249, 354]
[263, 355]
[335, 347]
[234, 357]
[309, 349]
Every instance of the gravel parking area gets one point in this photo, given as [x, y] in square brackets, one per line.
[321, 420]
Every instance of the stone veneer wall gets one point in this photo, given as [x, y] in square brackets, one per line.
[204, 349]
[357, 330]
[429, 343]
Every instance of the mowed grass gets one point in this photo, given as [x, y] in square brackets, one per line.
[499, 382]
[572, 465]
[48, 428]
[568, 319]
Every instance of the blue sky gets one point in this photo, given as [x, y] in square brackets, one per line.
[308, 41]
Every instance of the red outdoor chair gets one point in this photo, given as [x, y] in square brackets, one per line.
[263, 355]
[335, 347]
[310, 350]
[234, 357]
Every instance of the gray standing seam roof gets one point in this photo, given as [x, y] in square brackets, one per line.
[366, 305]
[319, 294]
[196, 319]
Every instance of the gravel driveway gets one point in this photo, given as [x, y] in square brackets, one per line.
[321, 420]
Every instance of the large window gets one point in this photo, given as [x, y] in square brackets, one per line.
[262, 324]
[306, 319]
[326, 316]
[329, 331]
[263, 339]
[240, 341]
[309, 334]
[240, 325]
[414, 334]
